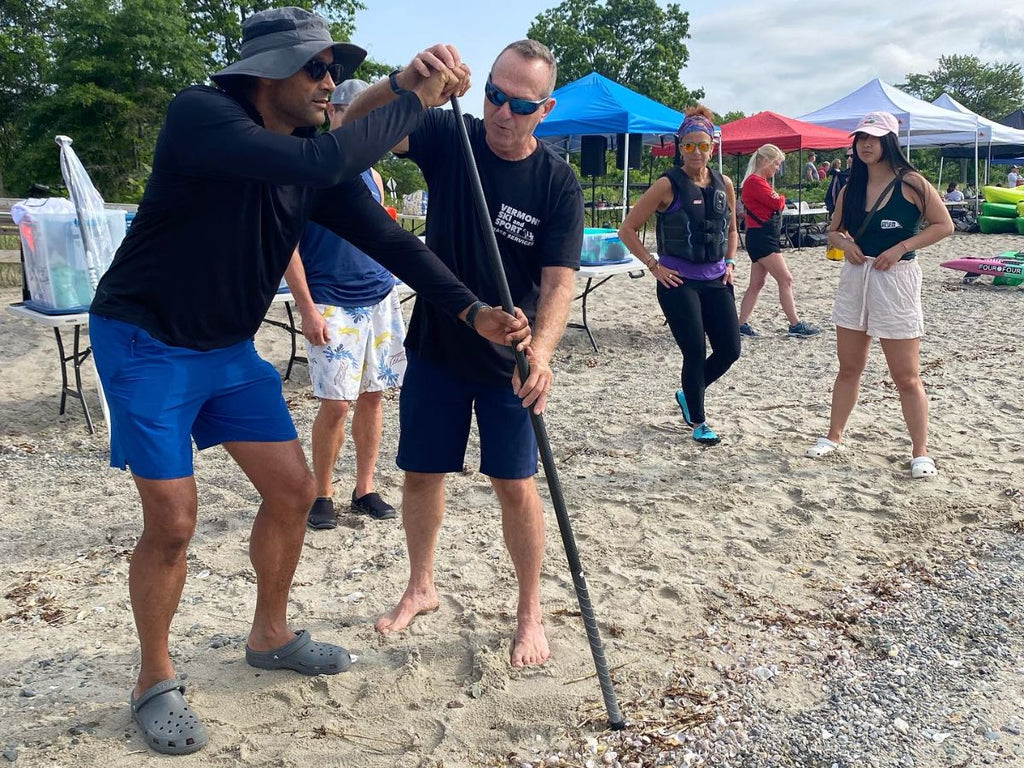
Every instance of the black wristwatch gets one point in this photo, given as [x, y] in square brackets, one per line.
[393, 80]
[474, 308]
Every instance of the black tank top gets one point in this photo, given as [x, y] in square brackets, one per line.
[896, 221]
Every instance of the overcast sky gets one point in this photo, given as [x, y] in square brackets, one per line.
[789, 56]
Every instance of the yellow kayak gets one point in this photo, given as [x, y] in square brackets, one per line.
[1003, 194]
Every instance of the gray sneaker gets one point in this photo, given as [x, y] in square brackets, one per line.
[803, 330]
[746, 330]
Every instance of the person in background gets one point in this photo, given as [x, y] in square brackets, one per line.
[763, 225]
[837, 180]
[877, 225]
[354, 332]
[1013, 176]
[811, 169]
[697, 240]
[953, 195]
[823, 171]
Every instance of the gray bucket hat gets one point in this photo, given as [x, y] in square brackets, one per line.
[277, 42]
[345, 93]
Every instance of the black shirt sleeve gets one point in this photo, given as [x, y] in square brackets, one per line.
[220, 139]
[350, 212]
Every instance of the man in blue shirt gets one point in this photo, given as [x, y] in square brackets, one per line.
[354, 331]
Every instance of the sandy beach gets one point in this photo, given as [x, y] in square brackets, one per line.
[758, 607]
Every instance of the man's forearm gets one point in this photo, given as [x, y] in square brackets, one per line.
[295, 276]
[556, 289]
[377, 95]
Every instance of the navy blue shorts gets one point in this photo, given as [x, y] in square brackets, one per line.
[161, 397]
[435, 411]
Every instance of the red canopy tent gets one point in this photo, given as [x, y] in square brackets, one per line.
[745, 136]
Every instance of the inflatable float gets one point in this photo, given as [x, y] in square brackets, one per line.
[1007, 268]
[1003, 194]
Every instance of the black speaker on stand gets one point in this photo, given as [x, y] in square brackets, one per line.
[593, 163]
[635, 143]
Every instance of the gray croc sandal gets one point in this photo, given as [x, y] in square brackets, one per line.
[168, 724]
[302, 655]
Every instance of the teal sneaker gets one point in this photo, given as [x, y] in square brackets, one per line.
[681, 399]
[705, 435]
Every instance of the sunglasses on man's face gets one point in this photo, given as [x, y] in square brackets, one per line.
[317, 68]
[499, 98]
[703, 146]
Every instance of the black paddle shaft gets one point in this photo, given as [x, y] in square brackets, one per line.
[547, 459]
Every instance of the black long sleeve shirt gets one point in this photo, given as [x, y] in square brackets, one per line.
[226, 204]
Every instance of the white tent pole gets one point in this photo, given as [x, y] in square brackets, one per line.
[908, 136]
[941, 158]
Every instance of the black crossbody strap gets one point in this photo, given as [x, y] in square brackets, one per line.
[878, 202]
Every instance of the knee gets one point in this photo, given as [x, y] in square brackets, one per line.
[421, 484]
[169, 533]
[370, 399]
[786, 280]
[908, 382]
[757, 283]
[516, 494]
[334, 411]
[850, 371]
[293, 493]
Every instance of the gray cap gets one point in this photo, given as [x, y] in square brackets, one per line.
[346, 93]
[277, 42]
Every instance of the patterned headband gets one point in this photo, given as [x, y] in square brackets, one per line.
[693, 123]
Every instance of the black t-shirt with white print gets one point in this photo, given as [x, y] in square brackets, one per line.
[536, 206]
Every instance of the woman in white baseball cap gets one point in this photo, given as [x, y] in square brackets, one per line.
[877, 224]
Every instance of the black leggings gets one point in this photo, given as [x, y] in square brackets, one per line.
[693, 309]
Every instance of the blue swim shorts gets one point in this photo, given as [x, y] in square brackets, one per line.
[162, 397]
[435, 411]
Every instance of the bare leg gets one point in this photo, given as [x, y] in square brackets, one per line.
[280, 474]
[778, 269]
[367, 427]
[903, 358]
[852, 350]
[422, 513]
[328, 437]
[522, 520]
[757, 278]
[156, 575]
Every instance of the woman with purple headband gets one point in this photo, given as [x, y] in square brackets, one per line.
[697, 239]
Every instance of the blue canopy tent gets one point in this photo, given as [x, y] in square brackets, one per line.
[597, 106]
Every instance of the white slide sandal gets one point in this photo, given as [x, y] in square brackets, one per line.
[822, 447]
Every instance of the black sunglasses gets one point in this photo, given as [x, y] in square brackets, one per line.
[317, 68]
[499, 98]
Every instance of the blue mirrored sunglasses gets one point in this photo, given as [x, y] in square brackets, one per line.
[499, 98]
[317, 68]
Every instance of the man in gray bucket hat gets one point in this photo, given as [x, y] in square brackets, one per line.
[238, 171]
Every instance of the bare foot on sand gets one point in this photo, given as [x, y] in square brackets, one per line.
[530, 647]
[409, 607]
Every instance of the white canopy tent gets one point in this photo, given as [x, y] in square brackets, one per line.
[921, 124]
[919, 120]
[995, 136]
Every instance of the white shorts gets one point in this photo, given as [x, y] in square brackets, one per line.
[364, 351]
[886, 305]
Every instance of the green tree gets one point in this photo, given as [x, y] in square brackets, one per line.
[23, 56]
[634, 42]
[111, 72]
[990, 89]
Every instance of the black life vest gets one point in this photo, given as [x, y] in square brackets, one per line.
[696, 231]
